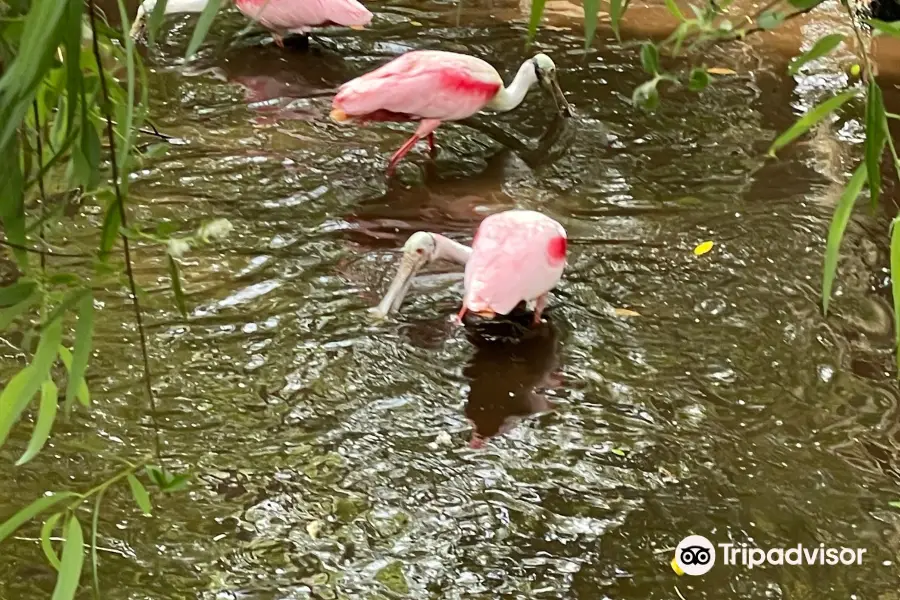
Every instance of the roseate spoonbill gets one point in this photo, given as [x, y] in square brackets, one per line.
[278, 16]
[431, 86]
[517, 255]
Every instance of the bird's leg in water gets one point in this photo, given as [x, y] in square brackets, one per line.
[399, 154]
[539, 307]
[431, 143]
[278, 39]
[426, 129]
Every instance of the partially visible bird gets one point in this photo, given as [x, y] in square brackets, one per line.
[278, 16]
[517, 255]
[431, 86]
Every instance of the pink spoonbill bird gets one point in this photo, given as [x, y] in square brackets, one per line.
[517, 255]
[278, 16]
[431, 86]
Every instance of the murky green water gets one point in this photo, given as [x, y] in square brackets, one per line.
[332, 453]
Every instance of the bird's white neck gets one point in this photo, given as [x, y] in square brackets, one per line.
[176, 6]
[447, 249]
[511, 96]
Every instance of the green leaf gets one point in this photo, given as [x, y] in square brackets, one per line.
[876, 137]
[590, 21]
[126, 125]
[21, 388]
[17, 292]
[166, 481]
[72, 41]
[46, 417]
[771, 19]
[139, 492]
[895, 283]
[31, 511]
[895, 503]
[650, 58]
[617, 10]
[646, 95]
[72, 297]
[84, 332]
[891, 29]
[86, 157]
[618, 451]
[110, 231]
[176, 286]
[804, 123]
[675, 11]
[8, 315]
[95, 520]
[155, 21]
[46, 543]
[836, 231]
[699, 79]
[805, 4]
[71, 562]
[83, 394]
[209, 13]
[824, 46]
[537, 11]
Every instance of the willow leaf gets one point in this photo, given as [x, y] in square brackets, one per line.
[823, 46]
[176, 287]
[46, 543]
[203, 24]
[139, 492]
[895, 282]
[46, 417]
[804, 123]
[83, 394]
[84, 332]
[836, 231]
[590, 21]
[71, 562]
[537, 11]
[21, 388]
[876, 137]
[31, 511]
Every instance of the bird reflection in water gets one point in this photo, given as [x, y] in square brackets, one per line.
[512, 364]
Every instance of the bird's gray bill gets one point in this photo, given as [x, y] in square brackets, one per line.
[398, 289]
[562, 105]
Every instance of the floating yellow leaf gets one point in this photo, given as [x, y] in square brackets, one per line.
[415, 23]
[626, 312]
[676, 568]
[854, 70]
[703, 248]
[721, 71]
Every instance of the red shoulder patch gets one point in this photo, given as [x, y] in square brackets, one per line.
[455, 81]
[556, 249]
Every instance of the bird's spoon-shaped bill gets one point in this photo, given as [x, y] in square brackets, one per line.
[551, 84]
[393, 298]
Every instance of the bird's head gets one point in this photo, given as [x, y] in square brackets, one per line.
[420, 249]
[545, 71]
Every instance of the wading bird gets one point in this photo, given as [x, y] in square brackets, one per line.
[431, 86]
[516, 256]
[278, 16]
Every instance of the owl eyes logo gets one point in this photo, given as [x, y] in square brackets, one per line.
[695, 555]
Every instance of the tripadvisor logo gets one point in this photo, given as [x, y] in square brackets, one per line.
[696, 555]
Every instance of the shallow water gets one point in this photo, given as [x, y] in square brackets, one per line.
[332, 453]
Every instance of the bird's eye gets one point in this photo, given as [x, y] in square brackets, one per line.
[420, 251]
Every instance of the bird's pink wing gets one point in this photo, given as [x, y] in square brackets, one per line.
[300, 15]
[422, 84]
[513, 259]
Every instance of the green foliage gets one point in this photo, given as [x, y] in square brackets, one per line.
[824, 46]
[836, 230]
[807, 121]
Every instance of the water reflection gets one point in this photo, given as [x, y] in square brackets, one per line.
[507, 373]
